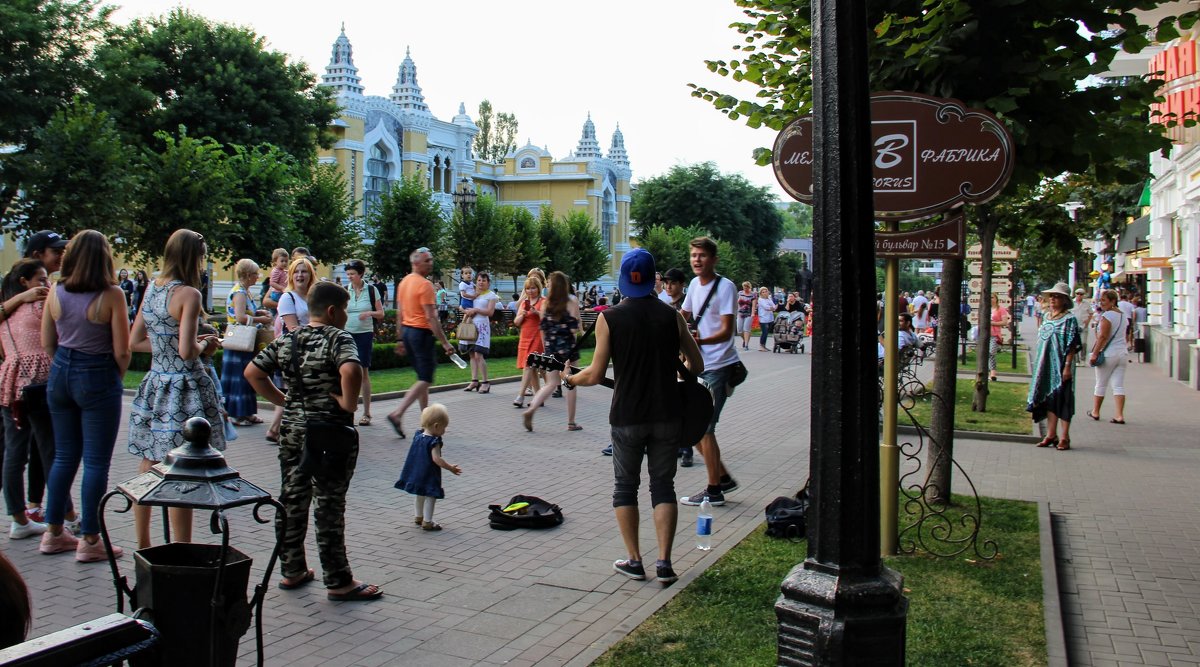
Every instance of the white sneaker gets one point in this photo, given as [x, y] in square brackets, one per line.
[20, 531]
[72, 525]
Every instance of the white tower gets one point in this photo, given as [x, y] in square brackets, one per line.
[341, 74]
[588, 147]
[406, 94]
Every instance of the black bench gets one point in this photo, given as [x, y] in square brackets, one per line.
[107, 640]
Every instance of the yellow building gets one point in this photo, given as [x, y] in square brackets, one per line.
[382, 139]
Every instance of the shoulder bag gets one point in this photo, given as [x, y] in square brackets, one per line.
[240, 337]
[737, 371]
[1111, 335]
[328, 445]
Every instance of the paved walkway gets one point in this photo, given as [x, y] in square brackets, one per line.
[1128, 541]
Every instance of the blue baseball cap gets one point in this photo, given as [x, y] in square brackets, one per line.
[637, 273]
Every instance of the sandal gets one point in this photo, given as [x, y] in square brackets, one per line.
[272, 437]
[304, 580]
[418, 520]
[429, 525]
[360, 593]
[1064, 444]
[487, 384]
[1114, 420]
[518, 403]
[254, 419]
[1048, 441]
[473, 386]
[365, 421]
[397, 425]
[1094, 417]
[572, 426]
[241, 422]
[527, 417]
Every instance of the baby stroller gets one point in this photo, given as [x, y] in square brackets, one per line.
[789, 332]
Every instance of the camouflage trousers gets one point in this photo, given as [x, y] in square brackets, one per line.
[296, 494]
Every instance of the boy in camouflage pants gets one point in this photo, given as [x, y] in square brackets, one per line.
[326, 389]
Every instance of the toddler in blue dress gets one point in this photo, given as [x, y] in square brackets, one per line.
[422, 473]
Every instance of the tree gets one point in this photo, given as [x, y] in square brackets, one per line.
[78, 176]
[45, 63]
[324, 215]
[728, 206]
[556, 243]
[797, 221]
[527, 242]
[406, 218]
[497, 133]
[781, 269]
[483, 238]
[737, 263]
[263, 210]
[215, 79]
[187, 184]
[590, 256]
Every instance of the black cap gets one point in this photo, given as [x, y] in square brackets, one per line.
[42, 240]
[675, 276]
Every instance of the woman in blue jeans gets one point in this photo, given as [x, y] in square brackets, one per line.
[86, 334]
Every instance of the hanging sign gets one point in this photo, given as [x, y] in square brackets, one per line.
[930, 155]
[941, 241]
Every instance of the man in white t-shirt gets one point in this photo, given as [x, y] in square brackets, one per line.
[713, 328]
[1126, 308]
[920, 311]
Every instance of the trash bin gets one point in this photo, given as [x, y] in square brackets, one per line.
[175, 585]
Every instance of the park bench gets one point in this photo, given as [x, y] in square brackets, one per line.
[106, 640]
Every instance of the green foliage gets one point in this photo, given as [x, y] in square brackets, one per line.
[324, 215]
[797, 221]
[737, 263]
[669, 246]
[590, 259]
[262, 208]
[527, 242]
[781, 270]
[728, 206]
[406, 218]
[187, 184]
[483, 238]
[215, 79]
[556, 243]
[497, 133]
[77, 176]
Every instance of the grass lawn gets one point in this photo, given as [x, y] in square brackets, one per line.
[399, 379]
[1003, 361]
[962, 611]
[1005, 409]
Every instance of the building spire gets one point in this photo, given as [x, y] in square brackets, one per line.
[588, 146]
[616, 150]
[407, 93]
[341, 74]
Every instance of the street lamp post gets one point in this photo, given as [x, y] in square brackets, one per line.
[464, 196]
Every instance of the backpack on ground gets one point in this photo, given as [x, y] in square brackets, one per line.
[525, 512]
[787, 516]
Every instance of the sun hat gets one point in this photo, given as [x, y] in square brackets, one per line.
[1060, 289]
[637, 273]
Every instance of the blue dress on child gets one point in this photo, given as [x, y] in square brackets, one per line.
[421, 476]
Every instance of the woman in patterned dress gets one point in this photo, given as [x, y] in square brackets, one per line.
[1052, 389]
[177, 387]
[560, 321]
[241, 403]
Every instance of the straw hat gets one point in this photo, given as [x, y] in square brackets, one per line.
[1060, 289]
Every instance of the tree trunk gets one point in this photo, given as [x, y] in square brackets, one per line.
[945, 381]
[986, 225]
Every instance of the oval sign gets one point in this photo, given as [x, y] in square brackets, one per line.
[929, 155]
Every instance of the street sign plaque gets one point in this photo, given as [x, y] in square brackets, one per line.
[998, 284]
[999, 251]
[930, 155]
[941, 241]
[999, 268]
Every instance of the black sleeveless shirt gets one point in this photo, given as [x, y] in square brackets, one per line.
[644, 342]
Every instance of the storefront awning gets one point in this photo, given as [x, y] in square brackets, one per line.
[1134, 235]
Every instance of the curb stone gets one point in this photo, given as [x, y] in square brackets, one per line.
[1056, 641]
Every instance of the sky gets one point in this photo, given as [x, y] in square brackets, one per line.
[549, 62]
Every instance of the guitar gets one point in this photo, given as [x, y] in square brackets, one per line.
[697, 401]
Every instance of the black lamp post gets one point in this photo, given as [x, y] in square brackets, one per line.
[194, 476]
[464, 196]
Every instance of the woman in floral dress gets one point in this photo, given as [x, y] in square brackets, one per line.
[177, 387]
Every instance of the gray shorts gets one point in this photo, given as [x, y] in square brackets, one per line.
[657, 443]
[717, 382]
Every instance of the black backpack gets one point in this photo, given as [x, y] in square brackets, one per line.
[787, 516]
[537, 514]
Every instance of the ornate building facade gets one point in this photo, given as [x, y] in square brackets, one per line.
[381, 140]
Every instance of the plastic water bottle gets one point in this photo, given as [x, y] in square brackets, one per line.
[704, 522]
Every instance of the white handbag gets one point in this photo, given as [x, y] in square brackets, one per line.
[240, 337]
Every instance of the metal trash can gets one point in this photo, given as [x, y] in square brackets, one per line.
[175, 585]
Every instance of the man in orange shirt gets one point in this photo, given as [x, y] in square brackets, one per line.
[417, 324]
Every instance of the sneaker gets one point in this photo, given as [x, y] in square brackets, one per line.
[666, 576]
[731, 485]
[72, 525]
[36, 514]
[607, 451]
[54, 544]
[90, 553]
[636, 572]
[20, 531]
[714, 499]
[687, 461]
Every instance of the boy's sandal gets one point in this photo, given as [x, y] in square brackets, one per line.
[304, 580]
[365, 421]
[360, 593]
[572, 426]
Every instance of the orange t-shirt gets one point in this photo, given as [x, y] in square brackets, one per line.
[413, 294]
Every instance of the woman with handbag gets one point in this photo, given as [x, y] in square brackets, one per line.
[364, 310]
[177, 387]
[27, 428]
[1052, 388]
[85, 332]
[1109, 355]
[293, 314]
[483, 306]
[241, 310]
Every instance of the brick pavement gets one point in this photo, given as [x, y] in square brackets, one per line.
[1127, 544]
